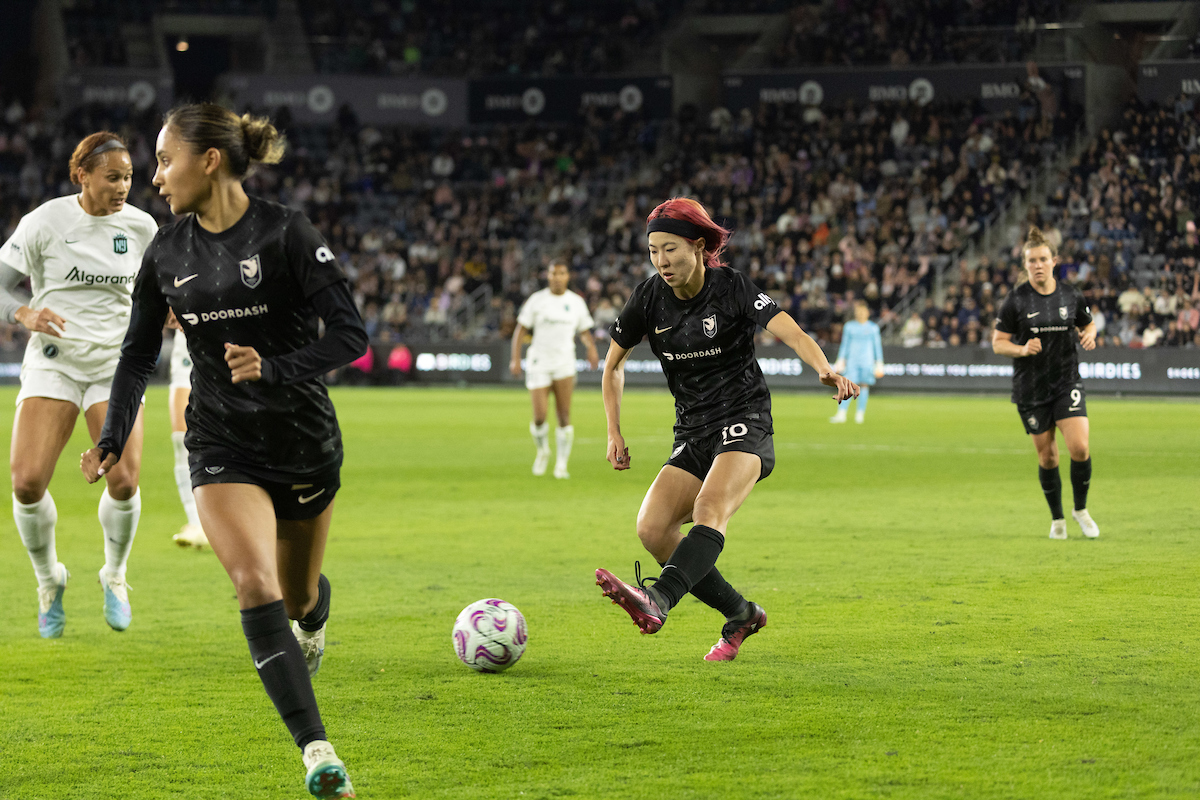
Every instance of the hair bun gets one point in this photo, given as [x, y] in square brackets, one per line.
[264, 143]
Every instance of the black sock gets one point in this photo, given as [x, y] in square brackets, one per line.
[281, 668]
[714, 591]
[1052, 488]
[691, 561]
[1081, 478]
[319, 615]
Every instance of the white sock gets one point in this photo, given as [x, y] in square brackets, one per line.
[541, 435]
[183, 478]
[35, 524]
[566, 437]
[119, 519]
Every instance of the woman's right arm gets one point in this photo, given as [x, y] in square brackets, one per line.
[514, 365]
[139, 355]
[612, 387]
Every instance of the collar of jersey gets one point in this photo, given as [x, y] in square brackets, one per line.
[229, 232]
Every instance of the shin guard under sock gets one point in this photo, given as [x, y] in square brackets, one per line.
[315, 620]
[1081, 479]
[717, 593]
[1052, 488]
[687, 566]
[282, 670]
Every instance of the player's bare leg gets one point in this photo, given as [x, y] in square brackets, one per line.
[565, 435]
[306, 592]
[41, 429]
[539, 429]
[240, 522]
[1075, 436]
[120, 510]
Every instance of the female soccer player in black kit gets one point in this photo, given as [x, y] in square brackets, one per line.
[249, 281]
[701, 321]
[1038, 325]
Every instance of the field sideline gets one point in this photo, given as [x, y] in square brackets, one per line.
[925, 639]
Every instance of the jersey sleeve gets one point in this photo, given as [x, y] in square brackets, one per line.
[877, 342]
[1083, 314]
[629, 328]
[1006, 320]
[23, 250]
[139, 355]
[311, 260]
[585, 321]
[752, 303]
[526, 318]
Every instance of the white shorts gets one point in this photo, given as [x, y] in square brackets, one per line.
[57, 386]
[181, 363]
[539, 376]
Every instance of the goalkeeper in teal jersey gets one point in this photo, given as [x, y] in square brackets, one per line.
[860, 358]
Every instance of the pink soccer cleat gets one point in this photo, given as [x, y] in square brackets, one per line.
[734, 633]
[636, 601]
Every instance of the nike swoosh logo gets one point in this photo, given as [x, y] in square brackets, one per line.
[310, 498]
[260, 664]
[181, 281]
[1034, 314]
[663, 330]
[72, 241]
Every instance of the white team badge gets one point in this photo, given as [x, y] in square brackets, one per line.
[251, 271]
[710, 326]
[1062, 311]
[678, 450]
[1032, 423]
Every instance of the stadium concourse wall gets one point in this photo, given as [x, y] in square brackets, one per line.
[961, 369]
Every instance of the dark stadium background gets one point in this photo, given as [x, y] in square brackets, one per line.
[895, 151]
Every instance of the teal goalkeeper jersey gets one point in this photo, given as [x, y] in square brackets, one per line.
[861, 343]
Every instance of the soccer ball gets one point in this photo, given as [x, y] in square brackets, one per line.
[490, 635]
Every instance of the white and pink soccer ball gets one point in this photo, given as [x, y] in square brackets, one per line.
[490, 635]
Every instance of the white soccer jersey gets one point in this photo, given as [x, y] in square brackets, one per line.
[82, 268]
[554, 320]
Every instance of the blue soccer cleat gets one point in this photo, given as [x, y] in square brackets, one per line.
[117, 612]
[326, 772]
[51, 619]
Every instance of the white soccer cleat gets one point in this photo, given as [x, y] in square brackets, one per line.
[860, 416]
[560, 472]
[541, 461]
[326, 773]
[51, 618]
[191, 536]
[1058, 529]
[838, 418]
[1090, 529]
[312, 645]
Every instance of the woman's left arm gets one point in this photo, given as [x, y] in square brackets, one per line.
[345, 339]
[784, 328]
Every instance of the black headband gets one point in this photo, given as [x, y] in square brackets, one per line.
[111, 144]
[678, 227]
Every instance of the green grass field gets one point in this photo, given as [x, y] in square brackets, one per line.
[925, 640]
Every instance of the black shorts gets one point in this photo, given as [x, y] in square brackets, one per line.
[1041, 418]
[303, 498]
[695, 452]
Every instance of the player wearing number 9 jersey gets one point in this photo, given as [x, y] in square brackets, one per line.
[700, 319]
[249, 282]
[1038, 325]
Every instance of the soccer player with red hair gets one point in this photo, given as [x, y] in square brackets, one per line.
[700, 319]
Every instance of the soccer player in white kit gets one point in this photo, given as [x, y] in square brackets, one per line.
[554, 315]
[192, 533]
[81, 253]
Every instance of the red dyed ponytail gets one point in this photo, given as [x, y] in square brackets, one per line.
[687, 210]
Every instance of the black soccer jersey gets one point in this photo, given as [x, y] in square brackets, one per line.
[253, 284]
[1053, 318]
[705, 345]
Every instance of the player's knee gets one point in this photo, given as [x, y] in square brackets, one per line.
[709, 513]
[1048, 459]
[122, 487]
[253, 584]
[27, 488]
[1079, 452]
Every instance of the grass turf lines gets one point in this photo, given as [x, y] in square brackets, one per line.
[925, 640]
